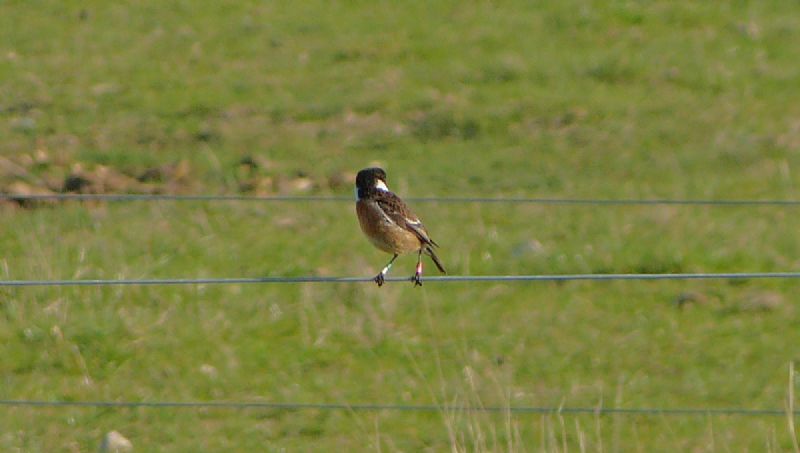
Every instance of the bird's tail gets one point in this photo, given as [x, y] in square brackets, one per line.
[429, 251]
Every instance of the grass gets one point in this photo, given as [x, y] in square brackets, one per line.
[575, 99]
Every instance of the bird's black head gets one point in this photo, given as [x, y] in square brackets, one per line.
[370, 179]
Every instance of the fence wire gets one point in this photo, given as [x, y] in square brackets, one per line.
[320, 198]
[364, 407]
[433, 279]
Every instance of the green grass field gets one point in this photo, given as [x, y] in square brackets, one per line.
[575, 99]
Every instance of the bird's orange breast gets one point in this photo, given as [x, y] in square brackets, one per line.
[382, 232]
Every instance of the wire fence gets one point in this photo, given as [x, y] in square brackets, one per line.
[320, 198]
[436, 279]
[239, 405]
[290, 406]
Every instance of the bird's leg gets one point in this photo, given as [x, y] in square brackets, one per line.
[380, 277]
[417, 278]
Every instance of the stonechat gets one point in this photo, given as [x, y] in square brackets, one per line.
[389, 223]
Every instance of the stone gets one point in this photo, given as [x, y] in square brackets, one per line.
[114, 442]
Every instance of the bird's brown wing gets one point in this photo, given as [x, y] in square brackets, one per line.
[399, 213]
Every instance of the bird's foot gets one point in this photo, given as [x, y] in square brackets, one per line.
[417, 278]
[379, 279]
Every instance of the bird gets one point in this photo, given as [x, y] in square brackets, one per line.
[390, 225]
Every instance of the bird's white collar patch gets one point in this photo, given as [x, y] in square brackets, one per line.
[380, 185]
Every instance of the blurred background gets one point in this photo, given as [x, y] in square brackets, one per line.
[571, 100]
